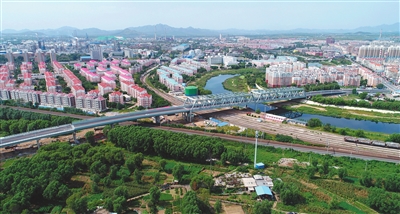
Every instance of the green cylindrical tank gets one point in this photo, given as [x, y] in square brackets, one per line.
[191, 91]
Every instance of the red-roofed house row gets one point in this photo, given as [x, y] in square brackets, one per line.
[116, 97]
[42, 67]
[90, 76]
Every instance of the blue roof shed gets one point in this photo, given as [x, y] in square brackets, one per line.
[263, 190]
[260, 166]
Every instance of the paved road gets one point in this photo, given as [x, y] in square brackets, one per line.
[55, 113]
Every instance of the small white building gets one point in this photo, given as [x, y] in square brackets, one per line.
[249, 183]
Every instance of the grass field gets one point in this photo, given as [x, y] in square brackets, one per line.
[236, 84]
[203, 80]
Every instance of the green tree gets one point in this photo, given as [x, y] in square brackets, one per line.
[264, 207]
[157, 177]
[190, 203]
[130, 164]
[138, 159]
[138, 176]
[113, 172]
[95, 188]
[154, 199]
[108, 204]
[95, 178]
[380, 86]
[314, 122]
[363, 95]
[366, 180]
[121, 191]
[354, 91]
[51, 190]
[325, 168]
[162, 164]
[90, 137]
[311, 172]
[107, 181]
[178, 171]
[218, 207]
[258, 111]
[79, 205]
[119, 204]
[342, 172]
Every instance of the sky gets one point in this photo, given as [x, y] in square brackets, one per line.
[206, 14]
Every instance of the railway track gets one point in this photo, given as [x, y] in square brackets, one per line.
[332, 141]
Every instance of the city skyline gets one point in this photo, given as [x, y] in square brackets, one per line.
[213, 15]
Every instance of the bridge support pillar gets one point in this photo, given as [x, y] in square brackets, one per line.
[190, 116]
[38, 143]
[157, 119]
[74, 136]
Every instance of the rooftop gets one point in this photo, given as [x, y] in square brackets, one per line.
[263, 190]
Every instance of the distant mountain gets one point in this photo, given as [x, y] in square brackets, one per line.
[385, 28]
[12, 31]
[164, 30]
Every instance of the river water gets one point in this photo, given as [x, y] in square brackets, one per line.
[215, 86]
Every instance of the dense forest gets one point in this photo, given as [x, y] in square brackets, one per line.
[39, 183]
[15, 121]
[173, 145]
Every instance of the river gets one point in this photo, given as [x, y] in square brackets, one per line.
[215, 86]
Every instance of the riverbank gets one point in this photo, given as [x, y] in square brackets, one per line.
[236, 84]
[348, 112]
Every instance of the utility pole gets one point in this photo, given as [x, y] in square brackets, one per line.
[255, 151]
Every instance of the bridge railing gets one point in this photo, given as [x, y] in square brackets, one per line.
[37, 131]
[30, 138]
[149, 111]
[232, 99]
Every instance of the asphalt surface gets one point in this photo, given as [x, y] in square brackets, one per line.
[55, 113]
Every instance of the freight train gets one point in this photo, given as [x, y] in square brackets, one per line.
[392, 145]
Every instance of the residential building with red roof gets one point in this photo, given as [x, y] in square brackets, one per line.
[28, 78]
[145, 100]
[116, 97]
[104, 88]
[42, 67]
[109, 81]
[78, 90]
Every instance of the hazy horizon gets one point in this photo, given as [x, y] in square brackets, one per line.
[211, 14]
